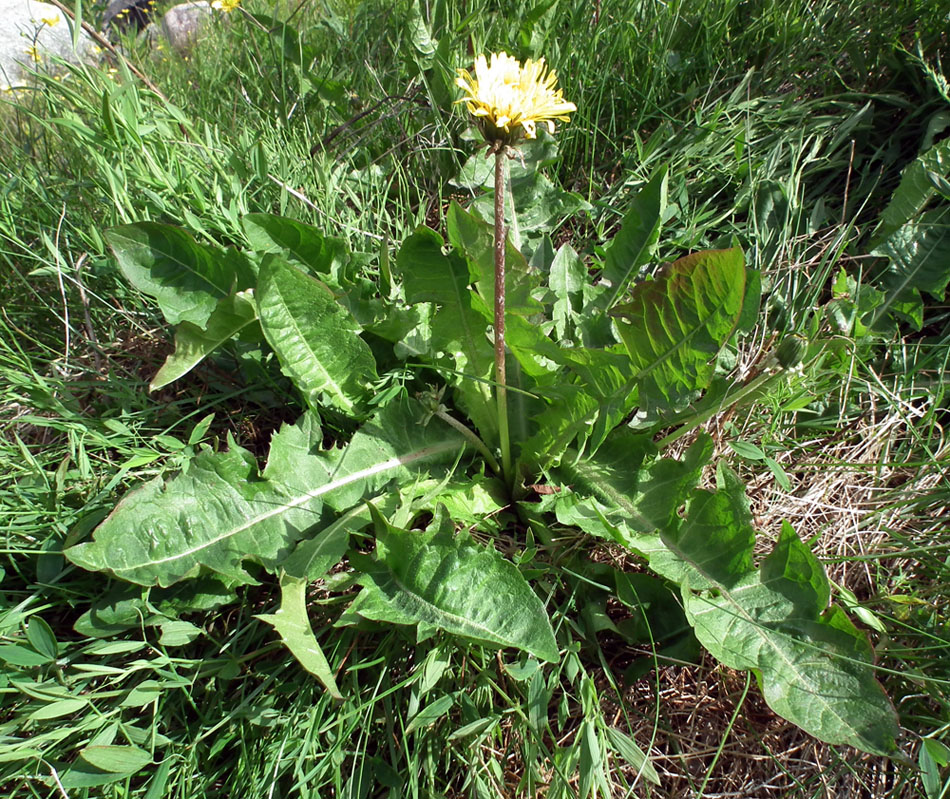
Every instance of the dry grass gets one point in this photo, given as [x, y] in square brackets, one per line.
[760, 756]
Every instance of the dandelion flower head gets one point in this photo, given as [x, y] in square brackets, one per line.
[227, 6]
[508, 99]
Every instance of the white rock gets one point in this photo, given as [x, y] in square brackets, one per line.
[182, 24]
[30, 33]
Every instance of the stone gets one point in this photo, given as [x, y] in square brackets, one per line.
[128, 14]
[31, 33]
[182, 24]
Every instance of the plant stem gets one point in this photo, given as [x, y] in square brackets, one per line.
[501, 387]
[472, 438]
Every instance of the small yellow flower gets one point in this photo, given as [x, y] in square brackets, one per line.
[508, 99]
[51, 21]
[227, 6]
[33, 53]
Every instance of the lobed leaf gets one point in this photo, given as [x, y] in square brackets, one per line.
[185, 278]
[813, 665]
[474, 239]
[293, 625]
[918, 186]
[458, 331]
[447, 582]
[231, 315]
[301, 244]
[316, 340]
[222, 511]
[674, 326]
[918, 253]
[636, 241]
[566, 279]
[622, 490]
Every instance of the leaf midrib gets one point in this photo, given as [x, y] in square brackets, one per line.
[392, 463]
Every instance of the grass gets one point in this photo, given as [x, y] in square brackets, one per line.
[785, 125]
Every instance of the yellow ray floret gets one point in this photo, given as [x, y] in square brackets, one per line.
[507, 98]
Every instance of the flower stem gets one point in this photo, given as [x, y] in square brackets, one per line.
[501, 387]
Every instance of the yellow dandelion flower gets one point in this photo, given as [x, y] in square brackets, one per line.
[509, 100]
[227, 6]
[33, 53]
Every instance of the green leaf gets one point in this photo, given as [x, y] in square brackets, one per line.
[569, 415]
[919, 253]
[84, 775]
[458, 337]
[933, 755]
[116, 759]
[177, 632]
[630, 751]
[916, 189]
[478, 727]
[22, 656]
[42, 638]
[431, 713]
[814, 666]
[314, 557]
[746, 449]
[601, 395]
[293, 624]
[475, 240]
[221, 511]
[295, 241]
[145, 693]
[58, 709]
[186, 278]
[315, 339]
[200, 430]
[441, 581]
[419, 36]
[714, 546]
[636, 241]
[287, 38]
[622, 486]
[674, 326]
[780, 477]
[567, 278]
[192, 343]
[591, 763]
[110, 616]
[539, 203]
